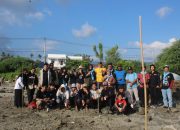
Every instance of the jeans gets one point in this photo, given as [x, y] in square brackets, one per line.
[167, 97]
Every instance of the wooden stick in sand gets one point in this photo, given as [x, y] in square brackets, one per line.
[142, 62]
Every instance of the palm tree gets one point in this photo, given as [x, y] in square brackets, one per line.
[39, 56]
[99, 53]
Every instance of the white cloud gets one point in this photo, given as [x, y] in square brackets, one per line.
[36, 15]
[20, 12]
[152, 50]
[164, 11]
[86, 30]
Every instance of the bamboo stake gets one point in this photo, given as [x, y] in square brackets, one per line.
[142, 62]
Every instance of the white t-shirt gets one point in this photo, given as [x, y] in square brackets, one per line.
[19, 83]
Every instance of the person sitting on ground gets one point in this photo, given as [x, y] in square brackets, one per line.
[62, 97]
[107, 97]
[85, 97]
[120, 104]
[42, 98]
[73, 94]
[94, 95]
[51, 94]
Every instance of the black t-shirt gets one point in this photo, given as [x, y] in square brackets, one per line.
[154, 79]
[32, 79]
[41, 95]
[166, 80]
[80, 78]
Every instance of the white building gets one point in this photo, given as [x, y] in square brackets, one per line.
[60, 59]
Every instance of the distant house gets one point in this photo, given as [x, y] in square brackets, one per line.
[59, 60]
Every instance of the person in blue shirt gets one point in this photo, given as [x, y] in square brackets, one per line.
[131, 84]
[120, 75]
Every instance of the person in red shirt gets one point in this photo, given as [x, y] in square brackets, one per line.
[141, 85]
[120, 104]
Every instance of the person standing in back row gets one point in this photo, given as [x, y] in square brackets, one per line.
[154, 86]
[100, 73]
[32, 84]
[120, 75]
[167, 84]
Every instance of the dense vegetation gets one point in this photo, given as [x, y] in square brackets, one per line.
[171, 57]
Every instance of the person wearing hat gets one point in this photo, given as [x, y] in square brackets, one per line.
[167, 84]
[131, 85]
[120, 75]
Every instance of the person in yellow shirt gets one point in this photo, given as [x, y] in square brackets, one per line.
[100, 72]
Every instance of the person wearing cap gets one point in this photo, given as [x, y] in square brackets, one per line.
[167, 84]
[154, 86]
[131, 85]
[62, 97]
[100, 72]
[142, 86]
[120, 75]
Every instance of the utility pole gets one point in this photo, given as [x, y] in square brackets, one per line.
[44, 49]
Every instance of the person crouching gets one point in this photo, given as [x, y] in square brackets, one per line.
[120, 105]
[62, 97]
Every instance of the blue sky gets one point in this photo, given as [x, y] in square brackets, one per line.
[83, 23]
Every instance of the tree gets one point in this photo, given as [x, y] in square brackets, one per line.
[112, 55]
[99, 53]
[31, 55]
[3, 54]
[171, 57]
[39, 56]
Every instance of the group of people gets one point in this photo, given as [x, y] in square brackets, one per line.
[96, 88]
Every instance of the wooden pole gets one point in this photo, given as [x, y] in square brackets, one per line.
[142, 62]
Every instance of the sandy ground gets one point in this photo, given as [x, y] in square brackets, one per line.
[12, 118]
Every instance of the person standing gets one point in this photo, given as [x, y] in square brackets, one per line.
[154, 86]
[167, 84]
[120, 75]
[142, 86]
[90, 76]
[32, 84]
[100, 72]
[44, 76]
[18, 97]
[131, 84]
